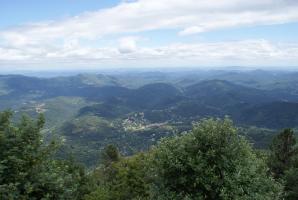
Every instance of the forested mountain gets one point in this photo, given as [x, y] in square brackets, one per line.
[156, 123]
[136, 109]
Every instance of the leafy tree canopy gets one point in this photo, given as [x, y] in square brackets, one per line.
[210, 162]
[27, 167]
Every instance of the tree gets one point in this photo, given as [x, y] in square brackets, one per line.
[110, 154]
[210, 162]
[131, 180]
[122, 179]
[283, 162]
[28, 169]
[291, 181]
[282, 151]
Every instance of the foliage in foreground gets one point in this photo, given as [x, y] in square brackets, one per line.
[283, 162]
[210, 162]
[27, 167]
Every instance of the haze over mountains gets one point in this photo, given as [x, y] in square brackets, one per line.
[136, 109]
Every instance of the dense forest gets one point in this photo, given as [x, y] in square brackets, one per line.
[212, 161]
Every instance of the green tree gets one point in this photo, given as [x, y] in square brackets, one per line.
[124, 179]
[282, 151]
[131, 180]
[291, 181]
[27, 167]
[283, 162]
[210, 162]
[110, 154]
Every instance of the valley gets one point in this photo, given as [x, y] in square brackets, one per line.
[134, 111]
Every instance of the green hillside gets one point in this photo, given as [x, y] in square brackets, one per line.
[135, 110]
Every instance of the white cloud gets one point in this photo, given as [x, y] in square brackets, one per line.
[248, 52]
[191, 30]
[191, 16]
[127, 44]
[63, 41]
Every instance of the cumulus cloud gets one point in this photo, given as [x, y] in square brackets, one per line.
[248, 52]
[61, 40]
[127, 44]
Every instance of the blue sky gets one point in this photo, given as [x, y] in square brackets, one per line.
[16, 12]
[94, 34]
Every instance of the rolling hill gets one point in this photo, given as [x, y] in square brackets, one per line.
[135, 110]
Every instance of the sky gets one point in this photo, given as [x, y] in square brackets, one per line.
[101, 34]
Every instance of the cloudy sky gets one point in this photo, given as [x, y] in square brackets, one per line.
[89, 34]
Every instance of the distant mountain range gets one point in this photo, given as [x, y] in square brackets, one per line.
[135, 110]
